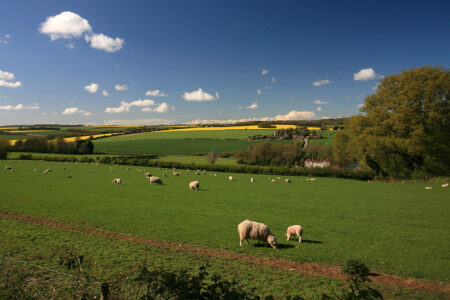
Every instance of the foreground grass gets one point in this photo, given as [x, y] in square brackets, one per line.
[395, 228]
[108, 260]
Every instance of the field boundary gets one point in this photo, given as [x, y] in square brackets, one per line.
[309, 269]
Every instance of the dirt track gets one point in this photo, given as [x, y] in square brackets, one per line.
[304, 268]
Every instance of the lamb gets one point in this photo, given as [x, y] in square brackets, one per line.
[252, 179]
[273, 180]
[176, 174]
[194, 185]
[295, 230]
[444, 185]
[230, 178]
[428, 188]
[156, 180]
[148, 175]
[287, 180]
[117, 181]
[256, 231]
[8, 168]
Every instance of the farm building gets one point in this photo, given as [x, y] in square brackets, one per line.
[309, 163]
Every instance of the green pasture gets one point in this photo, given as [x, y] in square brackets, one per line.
[171, 146]
[398, 228]
[201, 160]
[327, 140]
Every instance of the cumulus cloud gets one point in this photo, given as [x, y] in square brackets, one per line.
[122, 87]
[199, 95]
[366, 74]
[253, 105]
[146, 103]
[161, 108]
[258, 91]
[273, 79]
[140, 122]
[5, 39]
[75, 110]
[103, 42]
[155, 93]
[105, 93]
[296, 115]
[6, 80]
[264, 72]
[115, 110]
[319, 108]
[10, 107]
[69, 25]
[320, 102]
[65, 25]
[91, 88]
[321, 82]
[140, 103]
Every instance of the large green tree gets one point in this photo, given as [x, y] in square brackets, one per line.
[405, 125]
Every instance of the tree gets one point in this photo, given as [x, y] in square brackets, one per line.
[341, 148]
[4, 148]
[405, 128]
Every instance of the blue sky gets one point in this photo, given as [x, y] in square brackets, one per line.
[212, 61]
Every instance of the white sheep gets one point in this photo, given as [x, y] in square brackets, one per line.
[444, 185]
[194, 185]
[148, 175]
[8, 168]
[294, 230]
[176, 174]
[256, 231]
[287, 180]
[230, 178]
[156, 180]
[252, 179]
[273, 180]
[117, 181]
[428, 188]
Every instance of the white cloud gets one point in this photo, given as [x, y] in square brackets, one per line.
[199, 95]
[153, 121]
[366, 74]
[65, 25]
[320, 102]
[5, 39]
[253, 105]
[273, 79]
[71, 46]
[161, 108]
[122, 87]
[155, 93]
[319, 108]
[103, 42]
[105, 93]
[297, 115]
[10, 107]
[359, 106]
[325, 117]
[6, 80]
[75, 110]
[91, 88]
[321, 82]
[258, 91]
[264, 72]
[115, 110]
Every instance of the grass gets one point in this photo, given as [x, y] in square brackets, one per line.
[395, 228]
[327, 140]
[196, 159]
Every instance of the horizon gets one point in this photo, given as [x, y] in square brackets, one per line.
[153, 63]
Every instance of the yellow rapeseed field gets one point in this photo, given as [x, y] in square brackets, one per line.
[250, 127]
[86, 137]
[24, 131]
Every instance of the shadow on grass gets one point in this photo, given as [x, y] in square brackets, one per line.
[279, 246]
[312, 242]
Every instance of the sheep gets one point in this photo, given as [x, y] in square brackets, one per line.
[256, 231]
[8, 168]
[428, 188]
[117, 181]
[215, 174]
[11, 170]
[252, 179]
[444, 185]
[230, 178]
[287, 180]
[176, 174]
[295, 230]
[194, 185]
[156, 180]
[197, 173]
[204, 172]
[35, 170]
[273, 180]
[148, 175]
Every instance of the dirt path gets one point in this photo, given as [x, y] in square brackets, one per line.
[310, 269]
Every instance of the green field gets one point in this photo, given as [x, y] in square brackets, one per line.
[200, 160]
[395, 228]
[327, 139]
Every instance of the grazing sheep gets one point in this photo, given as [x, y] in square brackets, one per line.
[230, 178]
[295, 230]
[148, 175]
[204, 172]
[273, 180]
[176, 174]
[287, 180]
[444, 185]
[255, 231]
[215, 174]
[252, 179]
[8, 168]
[428, 188]
[156, 180]
[312, 179]
[11, 170]
[117, 181]
[194, 185]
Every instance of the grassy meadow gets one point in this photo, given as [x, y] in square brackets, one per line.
[397, 228]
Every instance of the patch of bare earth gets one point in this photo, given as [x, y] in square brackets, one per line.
[310, 269]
